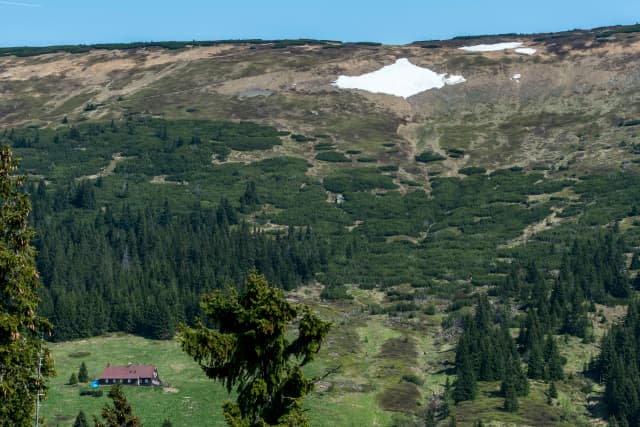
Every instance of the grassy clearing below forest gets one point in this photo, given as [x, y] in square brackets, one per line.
[189, 398]
[354, 395]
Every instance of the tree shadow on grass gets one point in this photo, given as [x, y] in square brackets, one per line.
[446, 371]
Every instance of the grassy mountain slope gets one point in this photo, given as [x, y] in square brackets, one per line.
[416, 205]
[573, 95]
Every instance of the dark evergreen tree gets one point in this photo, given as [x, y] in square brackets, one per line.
[81, 420]
[250, 198]
[553, 360]
[465, 386]
[20, 324]
[73, 379]
[531, 335]
[575, 320]
[535, 364]
[515, 378]
[249, 352]
[83, 373]
[510, 398]
[512, 284]
[553, 391]
[521, 382]
[226, 211]
[120, 414]
[85, 196]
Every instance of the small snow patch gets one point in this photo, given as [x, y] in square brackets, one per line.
[454, 80]
[526, 50]
[400, 79]
[517, 46]
[491, 47]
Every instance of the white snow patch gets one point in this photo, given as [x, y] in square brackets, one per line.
[454, 80]
[516, 77]
[491, 47]
[526, 50]
[400, 79]
[499, 46]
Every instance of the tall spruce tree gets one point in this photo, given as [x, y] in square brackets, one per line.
[20, 326]
[120, 414]
[465, 385]
[81, 420]
[514, 368]
[553, 391]
[514, 383]
[250, 353]
[514, 379]
[553, 360]
[535, 364]
[510, 398]
[83, 373]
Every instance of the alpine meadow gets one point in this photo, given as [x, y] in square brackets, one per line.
[309, 232]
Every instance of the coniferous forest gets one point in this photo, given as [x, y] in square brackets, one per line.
[617, 367]
[144, 271]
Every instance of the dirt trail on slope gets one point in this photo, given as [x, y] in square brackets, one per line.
[546, 223]
[107, 170]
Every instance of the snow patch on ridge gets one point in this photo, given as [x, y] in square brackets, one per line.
[517, 46]
[491, 47]
[400, 79]
[526, 50]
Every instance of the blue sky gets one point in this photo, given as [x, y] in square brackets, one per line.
[46, 22]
